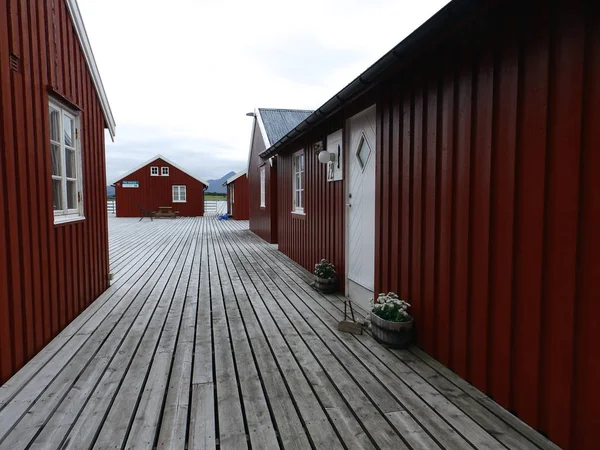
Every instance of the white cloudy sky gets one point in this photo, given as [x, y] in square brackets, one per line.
[180, 75]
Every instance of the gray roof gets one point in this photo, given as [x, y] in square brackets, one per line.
[279, 122]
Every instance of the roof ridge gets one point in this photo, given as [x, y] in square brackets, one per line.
[286, 109]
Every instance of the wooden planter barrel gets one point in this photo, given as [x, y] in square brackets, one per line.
[326, 285]
[392, 334]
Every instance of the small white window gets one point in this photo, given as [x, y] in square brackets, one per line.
[164, 171]
[65, 154]
[263, 201]
[154, 171]
[298, 182]
[179, 194]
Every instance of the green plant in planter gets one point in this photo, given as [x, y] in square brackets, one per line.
[389, 307]
[324, 269]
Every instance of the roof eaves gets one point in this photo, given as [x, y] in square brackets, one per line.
[445, 17]
[73, 8]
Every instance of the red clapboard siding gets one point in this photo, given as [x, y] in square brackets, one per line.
[156, 191]
[45, 270]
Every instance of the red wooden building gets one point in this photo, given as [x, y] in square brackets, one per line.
[159, 182]
[464, 176]
[268, 127]
[237, 196]
[53, 228]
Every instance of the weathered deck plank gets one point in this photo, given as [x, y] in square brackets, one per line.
[210, 337]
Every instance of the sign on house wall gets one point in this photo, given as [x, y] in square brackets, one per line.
[131, 184]
[335, 167]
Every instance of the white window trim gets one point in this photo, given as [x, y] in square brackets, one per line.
[232, 193]
[74, 214]
[177, 188]
[295, 208]
[164, 173]
[263, 193]
[152, 174]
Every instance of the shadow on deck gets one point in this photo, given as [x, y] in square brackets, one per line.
[208, 336]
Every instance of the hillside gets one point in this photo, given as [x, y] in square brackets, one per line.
[217, 185]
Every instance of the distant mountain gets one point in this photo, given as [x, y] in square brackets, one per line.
[217, 185]
[110, 191]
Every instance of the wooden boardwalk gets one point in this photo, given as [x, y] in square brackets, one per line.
[209, 337]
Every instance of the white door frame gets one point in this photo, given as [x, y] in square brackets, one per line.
[347, 156]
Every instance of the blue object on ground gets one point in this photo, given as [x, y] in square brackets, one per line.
[224, 217]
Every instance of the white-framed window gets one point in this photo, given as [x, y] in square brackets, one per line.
[154, 171]
[179, 194]
[298, 182]
[164, 171]
[65, 150]
[263, 196]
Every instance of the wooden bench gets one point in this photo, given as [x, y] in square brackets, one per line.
[166, 211]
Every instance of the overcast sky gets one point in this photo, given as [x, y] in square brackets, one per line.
[181, 75]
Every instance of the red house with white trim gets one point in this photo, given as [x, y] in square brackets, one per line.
[461, 171]
[159, 182]
[54, 227]
[237, 196]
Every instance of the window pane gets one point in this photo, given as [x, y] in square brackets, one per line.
[71, 194]
[57, 195]
[182, 194]
[56, 160]
[175, 193]
[68, 129]
[71, 164]
[54, 125]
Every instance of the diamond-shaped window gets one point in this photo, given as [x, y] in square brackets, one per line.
[363, 152]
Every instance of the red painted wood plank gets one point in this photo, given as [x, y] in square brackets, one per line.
[428, 322]
[23, 130]
[6, 143]
[585, 417]
[462, 189]
[480, 220]
[529, 227]
[562, 201]
[502, 222]
[444, 294]
[407, 136]
[396, 193]
[13, 144]
[382, 199]
[417, 210]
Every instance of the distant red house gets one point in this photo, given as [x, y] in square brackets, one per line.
[54, 226]
[270, 126]
[237, 196]
[159, 182]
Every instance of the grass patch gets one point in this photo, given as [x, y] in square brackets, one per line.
[215, 197]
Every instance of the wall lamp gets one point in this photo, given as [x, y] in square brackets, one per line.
[326, 157]
[251, 114]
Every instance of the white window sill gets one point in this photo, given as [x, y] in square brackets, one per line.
[178, 201]
[59, 220]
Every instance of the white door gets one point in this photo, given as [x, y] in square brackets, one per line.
[361, 205]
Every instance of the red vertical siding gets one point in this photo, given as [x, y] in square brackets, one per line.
[44, 267]
[240, 205]
[263, 220]
[488, 202]
[156, 191]
[497, 206]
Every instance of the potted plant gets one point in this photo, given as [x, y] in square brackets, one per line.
[391, 324]
[325, 276]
